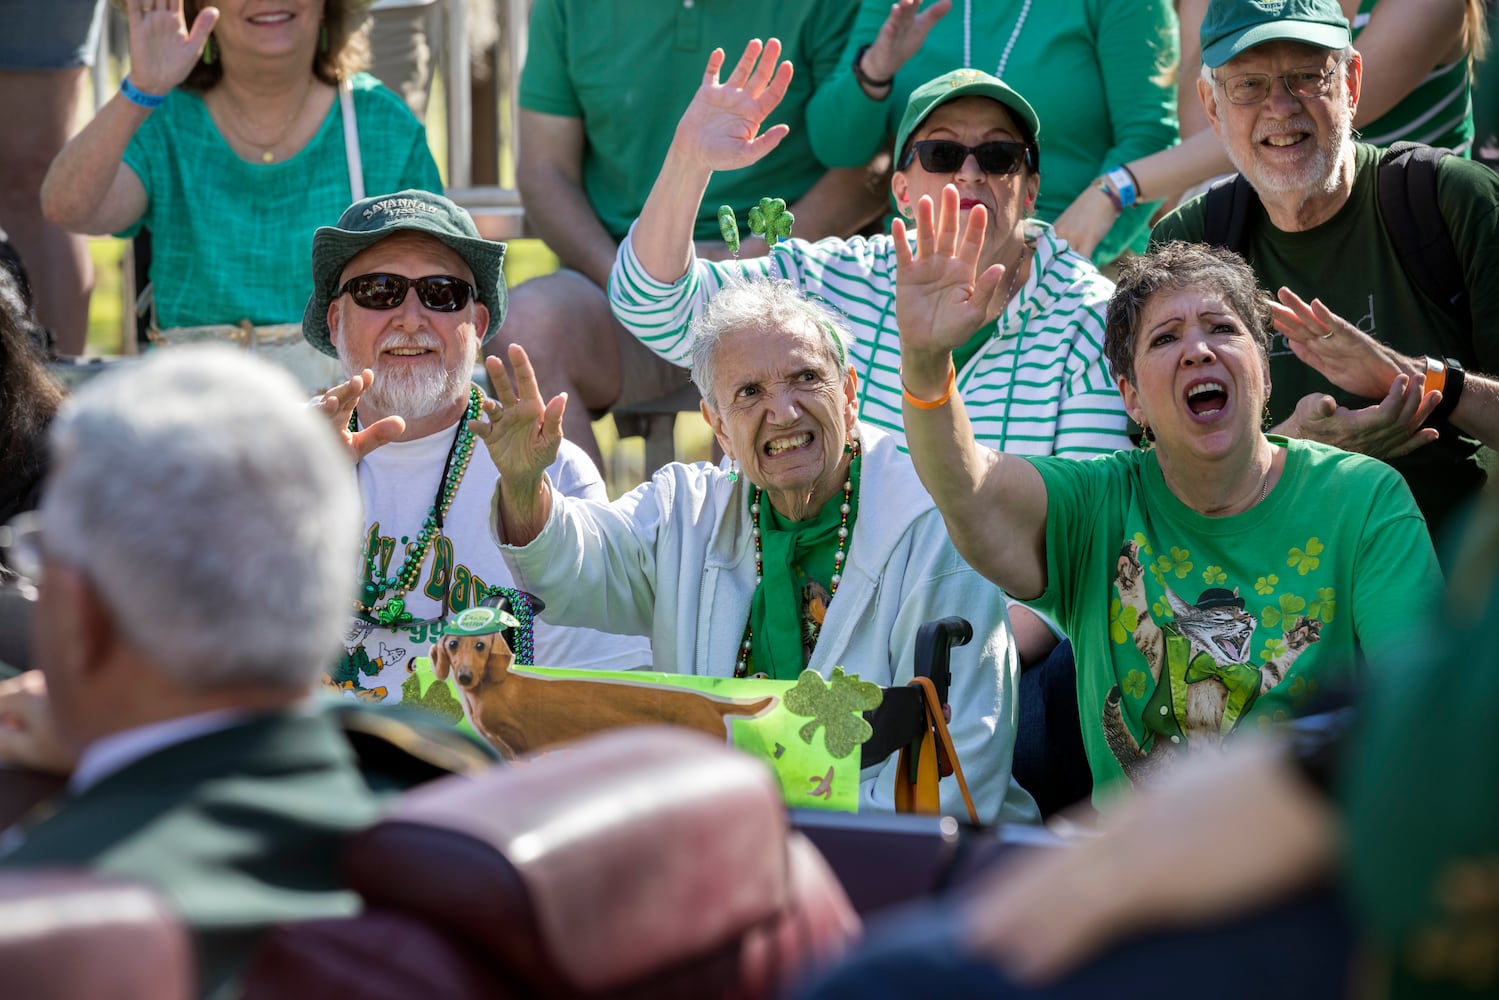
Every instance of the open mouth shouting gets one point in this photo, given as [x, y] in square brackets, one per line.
[1207, 398]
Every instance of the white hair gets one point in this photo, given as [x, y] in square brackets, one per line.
[213, 511]
[762, 303]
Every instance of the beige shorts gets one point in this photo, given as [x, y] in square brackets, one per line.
[282, 344]
[644, 375]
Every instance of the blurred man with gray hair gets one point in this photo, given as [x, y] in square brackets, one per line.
[193, 554]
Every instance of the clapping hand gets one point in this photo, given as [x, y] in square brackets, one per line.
[338, 404]
[162, 49]
[940, 298]
[1355, 362]
[721, 127]
[1386, 429]
[1345, 355]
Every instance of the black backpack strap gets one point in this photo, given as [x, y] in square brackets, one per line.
[1408, 204]
[1226, 206]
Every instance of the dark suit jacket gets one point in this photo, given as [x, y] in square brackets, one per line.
[240, 828]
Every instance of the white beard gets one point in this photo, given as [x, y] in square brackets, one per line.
[1318, 175]
[414, 394]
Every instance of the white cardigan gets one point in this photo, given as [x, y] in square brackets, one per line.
[673, 560]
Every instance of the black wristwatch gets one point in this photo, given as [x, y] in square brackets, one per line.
[859, 74]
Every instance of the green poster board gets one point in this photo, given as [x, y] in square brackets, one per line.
[809, 731]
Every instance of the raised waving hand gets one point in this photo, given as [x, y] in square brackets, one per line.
[720, 129]
[162, 48]
[940, 296]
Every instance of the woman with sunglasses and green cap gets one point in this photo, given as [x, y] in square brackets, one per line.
[1034, 378]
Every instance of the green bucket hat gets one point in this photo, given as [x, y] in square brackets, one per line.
[1231, 27]
[962, 83]
[367, 222]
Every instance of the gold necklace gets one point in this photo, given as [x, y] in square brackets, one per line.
[267, 149]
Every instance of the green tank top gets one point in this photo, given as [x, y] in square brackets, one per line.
[1439, 112]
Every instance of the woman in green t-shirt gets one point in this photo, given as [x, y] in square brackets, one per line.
[1213, 583]
[231, 143]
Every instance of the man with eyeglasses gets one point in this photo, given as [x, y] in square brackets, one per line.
[1356, 367]
[405, 292]
[192, 556]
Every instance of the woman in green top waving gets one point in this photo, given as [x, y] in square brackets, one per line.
[237, 133]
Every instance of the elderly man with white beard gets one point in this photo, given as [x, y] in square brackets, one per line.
[404, 293]
[1362, 340]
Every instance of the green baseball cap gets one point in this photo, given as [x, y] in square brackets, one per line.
[367, 222]
[1231, 27]
[962, 83]
[480, 621]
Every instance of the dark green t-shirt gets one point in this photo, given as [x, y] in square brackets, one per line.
[1350, 262]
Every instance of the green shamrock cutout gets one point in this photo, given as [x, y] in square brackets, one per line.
[838, 705]
[438, 700]
[771, 220]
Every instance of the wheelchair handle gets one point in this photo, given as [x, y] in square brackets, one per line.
[934, 642]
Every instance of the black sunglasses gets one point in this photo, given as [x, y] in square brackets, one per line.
[943, 156]
[438, 292]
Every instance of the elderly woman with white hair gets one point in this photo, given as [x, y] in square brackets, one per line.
[819, 549]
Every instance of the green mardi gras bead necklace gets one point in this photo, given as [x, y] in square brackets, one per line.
[393, 612]
[747, 644]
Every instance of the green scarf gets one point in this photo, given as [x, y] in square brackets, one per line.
[787, 549]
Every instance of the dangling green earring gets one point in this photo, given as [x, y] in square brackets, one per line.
[322, 37]
[208, 52]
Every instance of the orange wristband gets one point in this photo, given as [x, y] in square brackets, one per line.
[1436, 374]
[934, 404]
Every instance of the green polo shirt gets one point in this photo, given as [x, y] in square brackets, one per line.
[629, 70]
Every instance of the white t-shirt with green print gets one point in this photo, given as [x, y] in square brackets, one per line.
[1187, 628]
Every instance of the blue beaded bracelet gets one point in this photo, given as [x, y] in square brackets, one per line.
[140, 97]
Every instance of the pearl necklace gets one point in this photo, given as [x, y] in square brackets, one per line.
[741, 668]
[1004, 58]
[394, 612]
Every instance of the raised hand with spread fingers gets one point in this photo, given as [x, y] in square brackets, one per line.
[522, 433]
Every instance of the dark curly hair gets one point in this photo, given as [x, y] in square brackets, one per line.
[1170, 268]
[29, 398]
[347, 52]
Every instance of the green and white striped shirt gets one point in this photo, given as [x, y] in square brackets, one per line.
[1038, 386]
[1438, 112]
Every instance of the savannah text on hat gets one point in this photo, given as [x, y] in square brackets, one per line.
[367, 222]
